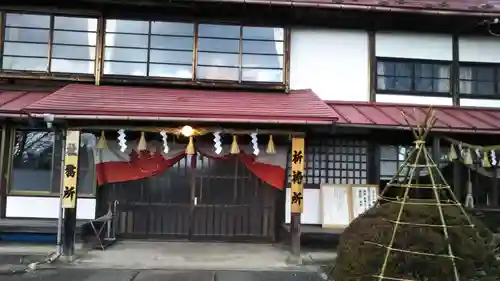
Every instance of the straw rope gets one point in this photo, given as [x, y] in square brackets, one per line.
[412, 164]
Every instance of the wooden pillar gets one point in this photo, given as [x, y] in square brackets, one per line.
[436, 150]
[494, 188]
[297, 193]
[457, 180]
[5, 163]
[69, 192]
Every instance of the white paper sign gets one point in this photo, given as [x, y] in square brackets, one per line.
[335, 205]
[364, 197]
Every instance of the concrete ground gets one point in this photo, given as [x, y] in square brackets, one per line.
[192, 255]
[159, 275]
[148, 261]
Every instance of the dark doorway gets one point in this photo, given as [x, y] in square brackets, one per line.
[199, 198]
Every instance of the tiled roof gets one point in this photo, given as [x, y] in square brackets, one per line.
[299, 106]
[385, 115]
[484, 6]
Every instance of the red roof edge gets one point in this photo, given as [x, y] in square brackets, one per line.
[387, 116]
[81, 101]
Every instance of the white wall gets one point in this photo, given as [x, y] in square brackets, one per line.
[413, 46]
[46, 207]
[331, 62]
[479, 49]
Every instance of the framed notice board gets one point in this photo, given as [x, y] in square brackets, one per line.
[340, 204]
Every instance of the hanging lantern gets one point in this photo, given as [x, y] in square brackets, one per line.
[467, 157]
[187, 131]
[217, 143]
[255, 144]
[234, 146]
[270, 146]
[190, 146]
[103, 143]
[164, 139]
[122, 141]
[142, 145]
[486, 161]
[452, 155]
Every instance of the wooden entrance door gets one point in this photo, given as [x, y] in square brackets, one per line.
[230, 203]
[209, 200]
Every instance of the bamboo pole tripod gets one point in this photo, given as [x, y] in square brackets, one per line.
[442, 195]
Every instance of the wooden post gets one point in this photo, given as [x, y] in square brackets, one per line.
[457, 180]
[69, 192]
[494, 188]
[297, 194]
[436, 151]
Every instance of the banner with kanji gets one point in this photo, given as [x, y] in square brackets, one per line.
[70, 169]
[297, 173]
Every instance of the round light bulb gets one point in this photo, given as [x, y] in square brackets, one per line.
[187, 131]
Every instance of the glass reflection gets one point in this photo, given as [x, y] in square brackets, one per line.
[26, 48]
[165, 49]
[27, 43]
[258, 51]
[129, 48]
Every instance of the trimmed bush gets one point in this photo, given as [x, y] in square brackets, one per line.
[358, 260]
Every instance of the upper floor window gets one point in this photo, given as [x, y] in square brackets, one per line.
[481, 80]
[190, 51]
[49, 43]
[413, 76]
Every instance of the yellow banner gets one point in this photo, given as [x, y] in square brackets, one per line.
[297, 190]
[70, 169]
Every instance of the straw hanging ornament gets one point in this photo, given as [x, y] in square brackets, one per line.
[468, 157]
[486, 161]
[103, 143]
[142, 145]
[453, 154]
[270, 146]
[235, 149]
[190, 146]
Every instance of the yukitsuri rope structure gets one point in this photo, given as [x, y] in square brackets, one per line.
[417, 159]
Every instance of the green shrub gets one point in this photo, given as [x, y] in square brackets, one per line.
[359, 261]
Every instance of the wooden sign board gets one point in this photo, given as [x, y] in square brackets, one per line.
[70, 169]
[297, 188]
[341, 204]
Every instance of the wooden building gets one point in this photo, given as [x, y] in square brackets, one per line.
[336, 75]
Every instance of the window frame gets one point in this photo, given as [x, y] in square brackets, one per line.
[35, 193]
[50, 44]
[475, 95]
[195, 53]
[412, 91]
[14, 192]
[98, 73]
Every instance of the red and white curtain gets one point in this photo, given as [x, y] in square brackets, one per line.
[114, 166]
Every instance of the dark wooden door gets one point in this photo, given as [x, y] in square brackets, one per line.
[196, 199]
[230, 203]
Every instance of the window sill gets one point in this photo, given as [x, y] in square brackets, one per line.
[42, 194]
[215, 84]
[417, 94]
[477, 97]
[47, 76]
